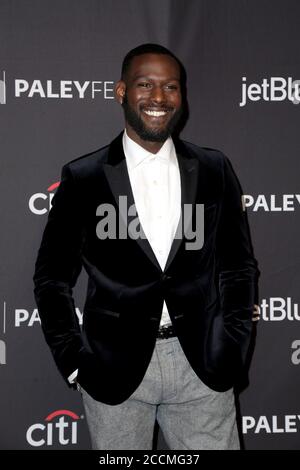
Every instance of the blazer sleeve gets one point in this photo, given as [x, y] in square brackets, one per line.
[57, 268]
[237, 267]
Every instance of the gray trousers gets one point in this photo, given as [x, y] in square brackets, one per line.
[190, 414]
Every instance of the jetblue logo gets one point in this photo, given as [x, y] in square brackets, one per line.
[272, 89]
[3, 89]
[279, 309]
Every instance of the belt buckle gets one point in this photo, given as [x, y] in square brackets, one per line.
[165, 332]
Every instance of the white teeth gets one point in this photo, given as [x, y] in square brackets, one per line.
[155, 113]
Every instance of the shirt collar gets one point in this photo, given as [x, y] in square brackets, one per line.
[135, 154]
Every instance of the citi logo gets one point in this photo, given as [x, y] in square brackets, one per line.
[272, 89]
[40, 203]
[60, 89]
[271, 425]
[271, 203]
[59, 427]
[279, 309]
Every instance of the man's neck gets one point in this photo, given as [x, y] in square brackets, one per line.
[152, 147]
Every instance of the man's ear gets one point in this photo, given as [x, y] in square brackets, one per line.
[120, 90]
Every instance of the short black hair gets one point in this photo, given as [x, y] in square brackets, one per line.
[148, 48]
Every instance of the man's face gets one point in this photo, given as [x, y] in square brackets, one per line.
[152, 96]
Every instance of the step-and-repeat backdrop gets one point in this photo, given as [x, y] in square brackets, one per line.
[59, 61]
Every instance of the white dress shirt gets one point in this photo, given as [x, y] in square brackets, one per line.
[155, 183]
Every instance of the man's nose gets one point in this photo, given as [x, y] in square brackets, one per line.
[158, 95]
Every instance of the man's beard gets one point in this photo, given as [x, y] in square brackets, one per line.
[146, 133]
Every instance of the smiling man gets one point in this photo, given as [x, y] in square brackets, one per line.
[166, 327]
[150, 92]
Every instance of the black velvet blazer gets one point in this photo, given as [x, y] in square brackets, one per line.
[209, 292]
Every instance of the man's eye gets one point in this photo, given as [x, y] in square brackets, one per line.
[144, 85]
[171, 87]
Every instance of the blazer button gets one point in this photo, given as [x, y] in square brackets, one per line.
[155, 319]
[180, 315]
[166, 278]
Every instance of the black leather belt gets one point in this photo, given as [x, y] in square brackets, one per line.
[165, 331]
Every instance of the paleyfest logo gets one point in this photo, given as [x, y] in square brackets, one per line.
[29, 318]
[55, 89]
[271, 202]
[2, 352]
[275, 424]
[59, 427]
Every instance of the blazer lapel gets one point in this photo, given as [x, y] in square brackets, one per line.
[188, 167]
[117, 176]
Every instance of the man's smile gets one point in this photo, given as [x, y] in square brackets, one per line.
[150, 112]
[156, 114]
